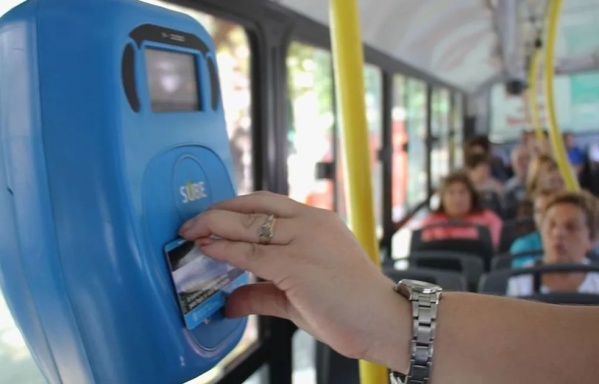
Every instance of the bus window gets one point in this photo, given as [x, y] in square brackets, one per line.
[311, 125]
[233, 55]
[409, 186]
[399, 140]
[416, 127]
[7, 5]
[457, 121]
[439, 132]
[373, 83]
[16, 363]
[311, 145]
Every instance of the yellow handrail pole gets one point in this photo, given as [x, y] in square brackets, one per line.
[348, 59]
[533, 94]
[559, 150]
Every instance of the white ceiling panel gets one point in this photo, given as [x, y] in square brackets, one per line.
[457, 41]
[452, 40]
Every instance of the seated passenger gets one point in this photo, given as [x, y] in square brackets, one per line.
[515, 188]
[527, 138]
[576, 156]
[482, 145]
[460, 201]
[543, 173]
[568, 230]
[478, 167]
[532, 241]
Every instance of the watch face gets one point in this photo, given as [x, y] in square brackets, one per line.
[421, 286]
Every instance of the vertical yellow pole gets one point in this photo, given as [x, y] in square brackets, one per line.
[348, 58]
[559, 150]
[533, 95]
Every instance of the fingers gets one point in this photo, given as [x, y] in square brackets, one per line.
[236, 227]
[264, 261]
[261, 202]
[259, 298]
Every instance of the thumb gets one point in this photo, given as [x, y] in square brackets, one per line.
[258, 298]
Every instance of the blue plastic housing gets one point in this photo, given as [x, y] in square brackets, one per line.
[91, 190]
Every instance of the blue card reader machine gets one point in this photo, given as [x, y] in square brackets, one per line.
[112, 134]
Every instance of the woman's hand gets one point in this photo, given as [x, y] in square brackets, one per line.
[317, 274]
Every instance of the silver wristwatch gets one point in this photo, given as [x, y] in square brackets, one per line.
[425, 299]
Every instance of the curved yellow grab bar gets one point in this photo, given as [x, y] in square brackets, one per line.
[559, 150]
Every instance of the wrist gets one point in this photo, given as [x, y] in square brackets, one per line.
[392, 332]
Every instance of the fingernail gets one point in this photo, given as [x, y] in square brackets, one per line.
[186, 226]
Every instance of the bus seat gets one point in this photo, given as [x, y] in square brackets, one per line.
[510, 210]
[448, 280]
[565, 298]
[504, 260]
[481, 245]
[469, 265]
[513, 229]
[496, 282]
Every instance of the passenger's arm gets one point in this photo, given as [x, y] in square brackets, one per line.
[319, 277]
[485, 339]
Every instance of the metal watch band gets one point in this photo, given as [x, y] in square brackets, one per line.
[424, 314]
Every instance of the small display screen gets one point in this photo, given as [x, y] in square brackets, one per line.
[172, 80]
[200, 282]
